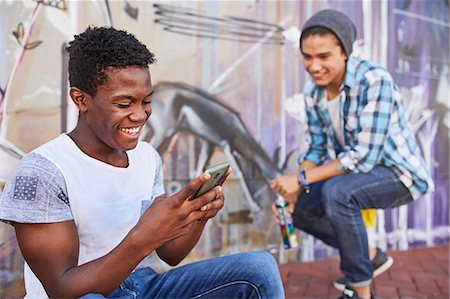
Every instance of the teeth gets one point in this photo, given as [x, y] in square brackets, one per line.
[132, 131]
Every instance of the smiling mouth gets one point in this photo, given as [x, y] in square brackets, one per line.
[318, 76]
[131, 131]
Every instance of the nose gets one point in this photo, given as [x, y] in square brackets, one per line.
[140, 113]
[315, 65]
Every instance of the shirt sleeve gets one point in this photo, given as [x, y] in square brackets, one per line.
[35, 193]
[317, 150]
[158, 185]
[377, 97]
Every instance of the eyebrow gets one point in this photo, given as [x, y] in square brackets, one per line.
[318, 54]
[132, 98]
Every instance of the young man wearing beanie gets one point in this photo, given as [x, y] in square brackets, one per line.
[355, 113]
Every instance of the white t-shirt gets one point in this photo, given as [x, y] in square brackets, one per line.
[336, 120]
[58, 182]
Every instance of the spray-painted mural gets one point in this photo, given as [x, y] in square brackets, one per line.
[228, 86]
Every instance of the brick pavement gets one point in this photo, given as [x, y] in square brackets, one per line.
[416, 273]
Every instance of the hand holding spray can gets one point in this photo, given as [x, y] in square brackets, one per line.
[286, 224]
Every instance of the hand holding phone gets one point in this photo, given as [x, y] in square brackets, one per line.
[217, 173]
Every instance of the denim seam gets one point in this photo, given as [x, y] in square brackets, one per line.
[351, 198]
[131, 292]
[354, 223]
[229, 284]
[353, 195]
[365, 187]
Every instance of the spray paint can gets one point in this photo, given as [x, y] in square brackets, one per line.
[286, 225]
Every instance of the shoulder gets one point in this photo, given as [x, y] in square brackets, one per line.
[146, 148]
[36, 165]
[366, 71]
[145, 145]
[309, 88]
[35, 192]
[147, 155]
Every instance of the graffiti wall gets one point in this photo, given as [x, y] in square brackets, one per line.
[234, 71]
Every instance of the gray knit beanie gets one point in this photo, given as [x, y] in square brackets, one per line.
[336, 22]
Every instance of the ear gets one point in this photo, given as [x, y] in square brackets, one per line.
[343, 54]
[79, 97]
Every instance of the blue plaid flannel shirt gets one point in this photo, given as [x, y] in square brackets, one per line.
[375, 128]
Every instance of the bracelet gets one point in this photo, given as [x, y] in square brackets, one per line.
[303, 182]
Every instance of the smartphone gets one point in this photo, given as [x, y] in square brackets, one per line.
[217, 173]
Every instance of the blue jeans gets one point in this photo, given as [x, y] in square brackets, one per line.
[332, 213]
[243, 275]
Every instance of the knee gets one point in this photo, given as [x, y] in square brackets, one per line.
[302, 220]
[260, 263]
[262, 271]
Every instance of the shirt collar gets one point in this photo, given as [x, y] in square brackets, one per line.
[349, 79]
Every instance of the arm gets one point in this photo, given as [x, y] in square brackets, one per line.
[175, 251]
[51, 250]
[288, 185]
[323, 172]
[317, 150]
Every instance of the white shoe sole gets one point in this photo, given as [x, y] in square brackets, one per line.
[383, 268]
[339, 286]
[380, 270]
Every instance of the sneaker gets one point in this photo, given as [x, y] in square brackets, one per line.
[380, 263]
[350, 292]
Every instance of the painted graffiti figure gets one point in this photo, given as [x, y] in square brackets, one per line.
[353, 112]
[89, 206]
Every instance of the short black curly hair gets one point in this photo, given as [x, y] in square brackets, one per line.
[96, 49]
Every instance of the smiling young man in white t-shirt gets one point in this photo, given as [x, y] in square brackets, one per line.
[89, 206]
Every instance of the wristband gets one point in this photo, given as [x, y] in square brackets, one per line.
[303, 182]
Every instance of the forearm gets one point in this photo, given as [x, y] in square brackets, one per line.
[105, 274]
[306, 164]
[102, 275]
[51, 250]
[176, 250]
[322, 172]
